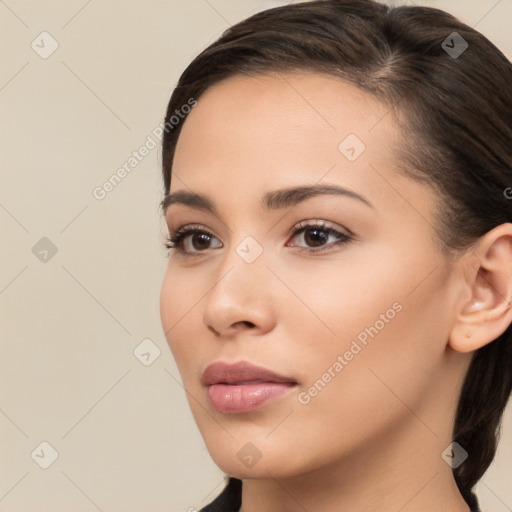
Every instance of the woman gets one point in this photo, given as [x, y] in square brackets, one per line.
[337, 297]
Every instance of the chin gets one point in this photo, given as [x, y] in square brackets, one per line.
[245, 458]
[260, 470]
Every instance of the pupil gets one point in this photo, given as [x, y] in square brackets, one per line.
[205, 239]
[317, 238]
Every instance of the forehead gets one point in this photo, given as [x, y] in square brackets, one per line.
[248, 135]
[301, 114]
[302, 103]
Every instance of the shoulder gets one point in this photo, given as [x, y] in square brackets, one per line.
[229, 500]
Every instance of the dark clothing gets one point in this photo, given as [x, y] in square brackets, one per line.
[230, 499]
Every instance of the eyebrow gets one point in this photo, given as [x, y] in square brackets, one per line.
[273, 200]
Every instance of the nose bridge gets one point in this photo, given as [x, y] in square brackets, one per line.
[242, 266]
[240, 292]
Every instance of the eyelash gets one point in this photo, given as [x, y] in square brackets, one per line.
[176, 241]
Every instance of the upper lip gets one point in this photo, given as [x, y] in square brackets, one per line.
[238, 373]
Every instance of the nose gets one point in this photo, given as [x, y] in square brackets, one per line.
[241, 299]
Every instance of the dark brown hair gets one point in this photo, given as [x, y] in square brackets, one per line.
[456, 113]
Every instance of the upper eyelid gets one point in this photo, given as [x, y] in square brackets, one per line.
[189, 229]
[319, 223]
[302, 224]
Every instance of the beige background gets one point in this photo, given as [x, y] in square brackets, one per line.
[125, 438]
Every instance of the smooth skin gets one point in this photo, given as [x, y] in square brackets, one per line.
[372, 438]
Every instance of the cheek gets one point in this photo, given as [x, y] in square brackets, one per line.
[344, 300]
[167, 304]
[384, 320]
[389, 341]
[177, 299]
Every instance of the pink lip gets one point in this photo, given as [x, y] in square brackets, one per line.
[243, 387]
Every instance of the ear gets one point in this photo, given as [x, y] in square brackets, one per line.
[488, 312]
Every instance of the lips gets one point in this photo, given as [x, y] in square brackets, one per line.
[243, 387]
[240, 373]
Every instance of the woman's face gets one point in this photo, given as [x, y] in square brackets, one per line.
[361, 326]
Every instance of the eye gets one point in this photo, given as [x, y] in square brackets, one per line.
[193, 240]
[317, 234]
[188, 234]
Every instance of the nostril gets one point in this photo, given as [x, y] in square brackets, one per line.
[244, 322]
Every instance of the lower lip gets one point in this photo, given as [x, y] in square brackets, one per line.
[238, 398]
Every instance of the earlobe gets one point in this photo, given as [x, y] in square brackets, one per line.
[487, 313]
